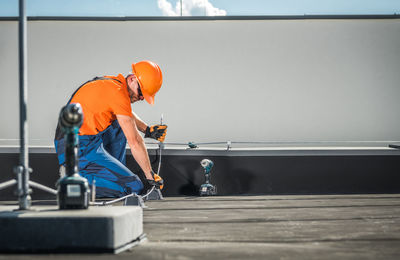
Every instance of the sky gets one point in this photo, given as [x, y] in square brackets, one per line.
[198, 7]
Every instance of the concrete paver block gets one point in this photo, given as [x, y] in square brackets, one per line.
[47, 229]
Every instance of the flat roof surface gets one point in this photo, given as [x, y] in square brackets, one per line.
[264, 227]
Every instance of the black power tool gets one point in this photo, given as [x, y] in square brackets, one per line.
[207, 189]
[73, 190]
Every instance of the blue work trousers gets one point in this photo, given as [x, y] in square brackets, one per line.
[102, 158]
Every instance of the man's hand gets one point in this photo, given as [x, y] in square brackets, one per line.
[157, 181]
[157, 132]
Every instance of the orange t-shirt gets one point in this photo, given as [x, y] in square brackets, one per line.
[101, 101]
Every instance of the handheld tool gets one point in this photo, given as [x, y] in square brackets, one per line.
[207, 189]
[73, 190]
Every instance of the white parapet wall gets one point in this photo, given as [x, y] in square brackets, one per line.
[243, 80]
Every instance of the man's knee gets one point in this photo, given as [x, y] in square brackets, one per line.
[134, 187]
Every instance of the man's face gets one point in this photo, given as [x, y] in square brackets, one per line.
[134, 89]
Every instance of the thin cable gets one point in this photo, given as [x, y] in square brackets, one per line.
[104, 203]
[160, 145]
[159, 160]
[282, 142]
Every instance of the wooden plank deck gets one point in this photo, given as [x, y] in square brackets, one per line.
[265, 227]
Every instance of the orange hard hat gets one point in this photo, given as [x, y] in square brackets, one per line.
[149, 76]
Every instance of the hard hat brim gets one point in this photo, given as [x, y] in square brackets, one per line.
[148, 98]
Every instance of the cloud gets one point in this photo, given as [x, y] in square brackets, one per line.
[189, 8]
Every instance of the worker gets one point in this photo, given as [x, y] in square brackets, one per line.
[108, 123]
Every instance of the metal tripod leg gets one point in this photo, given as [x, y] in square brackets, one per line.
[42, 187]
[33, 184]
[7, 184]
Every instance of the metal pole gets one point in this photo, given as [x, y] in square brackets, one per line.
[23, 170]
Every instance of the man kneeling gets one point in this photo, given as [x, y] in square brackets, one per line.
[108, 123]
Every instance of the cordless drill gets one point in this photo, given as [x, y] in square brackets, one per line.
[73, 190]
[207, 189]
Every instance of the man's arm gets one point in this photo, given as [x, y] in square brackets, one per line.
[140, 124]
[136, 143]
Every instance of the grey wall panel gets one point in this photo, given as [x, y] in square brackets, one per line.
[9, 108]
[244, 80]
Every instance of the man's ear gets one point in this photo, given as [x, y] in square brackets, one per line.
[129, 78]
